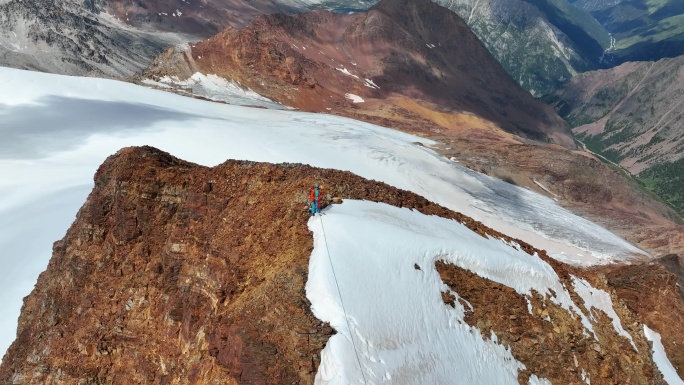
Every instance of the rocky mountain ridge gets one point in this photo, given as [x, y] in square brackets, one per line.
[292, 61]
[176, 273]
[74, 38]
[114, 38]
[540, 43]
[395, 63]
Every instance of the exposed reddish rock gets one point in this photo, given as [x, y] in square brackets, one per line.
[417, 51]
[551, 343]
[451, 92]
[177, 273]
[654, 291]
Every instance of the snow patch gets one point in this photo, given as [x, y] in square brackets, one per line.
[362, 280]
[544, 188]
[370, 84]
[354, 98]
[346, 72]
[660, 358]
[585, 377]
[598, 299]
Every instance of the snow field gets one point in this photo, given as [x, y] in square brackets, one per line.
[662, 362]
[215, 88]
[58, 129]
[402, 330]
[392, 324]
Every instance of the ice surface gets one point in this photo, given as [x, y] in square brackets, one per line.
[661, 360]
[56, 130]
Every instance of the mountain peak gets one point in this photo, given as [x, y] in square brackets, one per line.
[417, 59]
[208, 271]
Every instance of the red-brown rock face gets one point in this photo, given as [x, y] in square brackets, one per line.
[431, 77]
[413, 49]
[175, 273]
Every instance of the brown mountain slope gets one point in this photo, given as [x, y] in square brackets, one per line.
[175, 273]
[199, 18]
[450, 91]
[653, 290]
[409, 61]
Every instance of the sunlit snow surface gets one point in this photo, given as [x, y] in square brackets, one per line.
[661, 360]
[57, 130]
[403, 332]
[598, 299]
[215, 88]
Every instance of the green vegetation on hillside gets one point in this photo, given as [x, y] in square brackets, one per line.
[584, 30]
[643, 29]
[667, 181]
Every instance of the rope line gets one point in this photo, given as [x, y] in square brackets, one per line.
[351, 335]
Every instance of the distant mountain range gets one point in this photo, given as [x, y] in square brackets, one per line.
[641, 29]
[111, 37]
[633, 115]
[400, 61]
[541, 43]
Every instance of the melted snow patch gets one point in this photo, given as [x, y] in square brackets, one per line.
[354, 98]
[600, 300]
[661, 360]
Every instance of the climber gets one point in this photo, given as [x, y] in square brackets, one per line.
[315, 199]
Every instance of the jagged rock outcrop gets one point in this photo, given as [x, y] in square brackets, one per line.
[403, 62]
[176, 273]
[654, 290]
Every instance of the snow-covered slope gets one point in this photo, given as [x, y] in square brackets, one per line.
[56, 131]
[366, 247]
